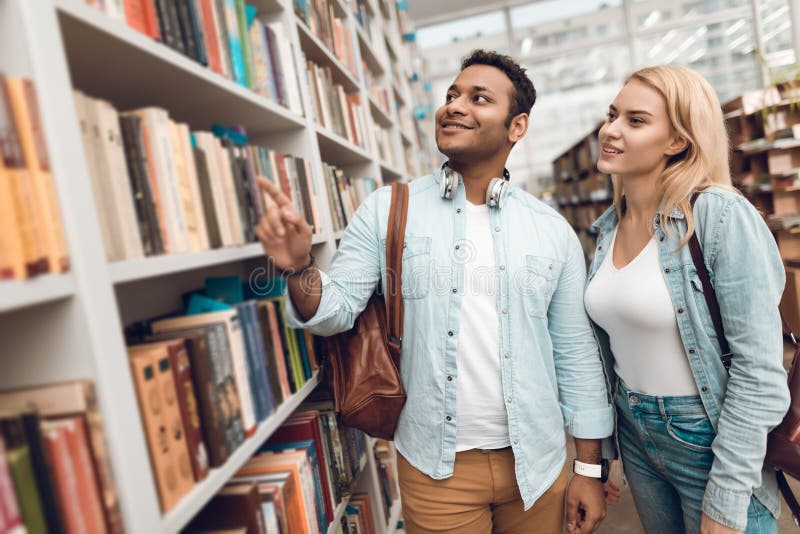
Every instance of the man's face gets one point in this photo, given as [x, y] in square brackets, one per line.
[471, 123]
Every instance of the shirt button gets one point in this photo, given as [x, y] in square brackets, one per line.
[508, 400]
[502, 267]
[458, 247]
[449, 418]
[600, 247]
[505, 311]
[507, 355]
[458, 210]
[449, 378]
[691, 351]
[496, 228]
[516, 442]
[661, 238]
[450, 333]
[667, 270]
[455, 290]
[704, 388]
[680, 310]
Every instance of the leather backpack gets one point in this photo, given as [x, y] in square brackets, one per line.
[783, 443]
[363, 364]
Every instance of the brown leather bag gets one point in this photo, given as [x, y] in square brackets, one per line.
[363, 363]
[783, 443]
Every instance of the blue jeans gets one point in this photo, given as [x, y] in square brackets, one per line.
[665, 443]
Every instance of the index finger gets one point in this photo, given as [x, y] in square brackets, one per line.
[273, 191]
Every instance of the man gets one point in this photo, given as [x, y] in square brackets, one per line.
[498, 354]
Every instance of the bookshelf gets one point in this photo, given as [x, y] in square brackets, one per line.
[70, 326]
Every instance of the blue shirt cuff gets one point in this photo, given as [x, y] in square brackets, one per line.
[725, 506]
[589, 423]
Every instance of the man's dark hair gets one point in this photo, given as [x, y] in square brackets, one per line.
[524, 95]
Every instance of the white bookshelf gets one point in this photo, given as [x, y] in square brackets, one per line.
[190, 504]
[18, 294]
[69, 326]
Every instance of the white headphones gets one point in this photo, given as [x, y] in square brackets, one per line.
[495, 194]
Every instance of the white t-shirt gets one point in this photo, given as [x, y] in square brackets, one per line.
[633, 306]
[481, 418]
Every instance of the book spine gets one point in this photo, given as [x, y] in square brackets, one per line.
[187, 403]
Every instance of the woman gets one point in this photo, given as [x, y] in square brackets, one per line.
[691, 434]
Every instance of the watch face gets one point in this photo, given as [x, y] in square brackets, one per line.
[604, 469]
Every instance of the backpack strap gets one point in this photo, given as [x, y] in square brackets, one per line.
[709, 293]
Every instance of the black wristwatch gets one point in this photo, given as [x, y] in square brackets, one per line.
[599, 471]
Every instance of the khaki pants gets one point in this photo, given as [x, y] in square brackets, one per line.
[480, 498]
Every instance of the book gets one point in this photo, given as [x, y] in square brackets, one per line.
[67, 399]
[235, 345]
[10, 518]
[23, 194]
[30, 131]
[157, 429]
[20, 466]
[187, 404]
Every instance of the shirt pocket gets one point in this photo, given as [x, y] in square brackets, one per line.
[539, 282]
[416, 266]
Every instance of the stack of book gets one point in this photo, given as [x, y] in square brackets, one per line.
[295, 482]
[345, 194]
[334, 32]
[208, 378]
[55, 474]
[31, 233]
[160, 188]
[341, 112]
[224, 35]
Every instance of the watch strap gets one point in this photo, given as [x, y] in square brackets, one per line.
[587, 470]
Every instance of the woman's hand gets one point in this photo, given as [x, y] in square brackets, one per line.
[612, 492]
[709, 526]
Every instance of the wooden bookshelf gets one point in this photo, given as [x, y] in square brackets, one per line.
[67, 326]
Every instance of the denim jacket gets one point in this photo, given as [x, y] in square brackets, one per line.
[746, 403]
[550, 366]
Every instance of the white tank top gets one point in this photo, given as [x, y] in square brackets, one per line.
[633, 306]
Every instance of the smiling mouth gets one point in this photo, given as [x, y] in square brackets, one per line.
[455, 127]
[607, 150]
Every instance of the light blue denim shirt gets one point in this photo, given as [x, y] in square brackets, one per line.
[551, 370]
[748, 276]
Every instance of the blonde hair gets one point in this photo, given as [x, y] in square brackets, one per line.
[696, 115]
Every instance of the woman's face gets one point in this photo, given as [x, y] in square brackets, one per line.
[637, 138]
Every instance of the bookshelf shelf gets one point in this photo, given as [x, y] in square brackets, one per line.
[150, 267]
[380, 114]
[405, 139]
[192, 503]
[337, 150]
[316, 51]
[17, 294]
[131, 61]
[268, 7]
[398, 93]
[367, 53]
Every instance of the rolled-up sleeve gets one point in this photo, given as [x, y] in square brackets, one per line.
[352, 278]
[748, 280]
[584, 398]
